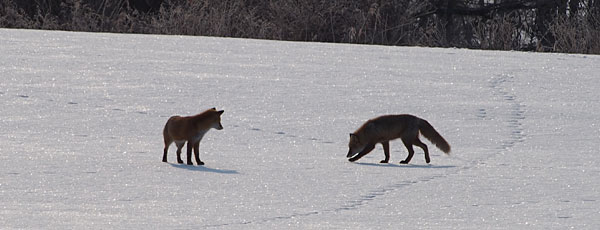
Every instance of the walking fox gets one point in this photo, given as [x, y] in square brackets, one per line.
[385, 128]
[191, 130]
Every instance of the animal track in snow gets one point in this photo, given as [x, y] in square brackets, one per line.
[516, 113]
[481, 113]
[288, 135]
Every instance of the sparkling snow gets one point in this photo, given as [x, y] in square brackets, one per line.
[82, 114]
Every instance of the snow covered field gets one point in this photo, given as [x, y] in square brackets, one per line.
[82, 114]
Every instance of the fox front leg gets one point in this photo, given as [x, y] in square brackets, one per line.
[386, 151]
[197, 153]
[190, 147]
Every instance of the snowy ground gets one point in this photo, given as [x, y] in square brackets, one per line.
[82, 114]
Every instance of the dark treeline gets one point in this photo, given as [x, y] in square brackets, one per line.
[540, 25]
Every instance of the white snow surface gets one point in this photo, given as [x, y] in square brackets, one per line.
[82, 115]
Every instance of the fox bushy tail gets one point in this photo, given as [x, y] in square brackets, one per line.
[432, 135]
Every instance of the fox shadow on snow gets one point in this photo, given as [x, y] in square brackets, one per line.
[202, 168]
[406, 165]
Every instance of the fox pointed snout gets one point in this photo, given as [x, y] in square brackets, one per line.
[350, 153]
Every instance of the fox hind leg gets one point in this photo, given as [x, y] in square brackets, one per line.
[408, 144]
[168, 142]
[424, 147]
[179, 146]
[386, 151]
[166, 150]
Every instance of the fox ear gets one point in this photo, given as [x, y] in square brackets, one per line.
[213, 108]
[220, 112]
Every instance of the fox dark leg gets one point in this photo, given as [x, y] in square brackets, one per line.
[364, 152]
[166, 150]
[165, 154]
[190, 147]
[179, 146]
[411, 152]
[424, 147]
[168, 142]
[386, 151]
[197, 153]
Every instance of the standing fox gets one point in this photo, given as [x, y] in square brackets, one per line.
[389, 127]
[191, 129]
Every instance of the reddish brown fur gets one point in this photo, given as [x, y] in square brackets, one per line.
[190, 129]
[389, 127]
